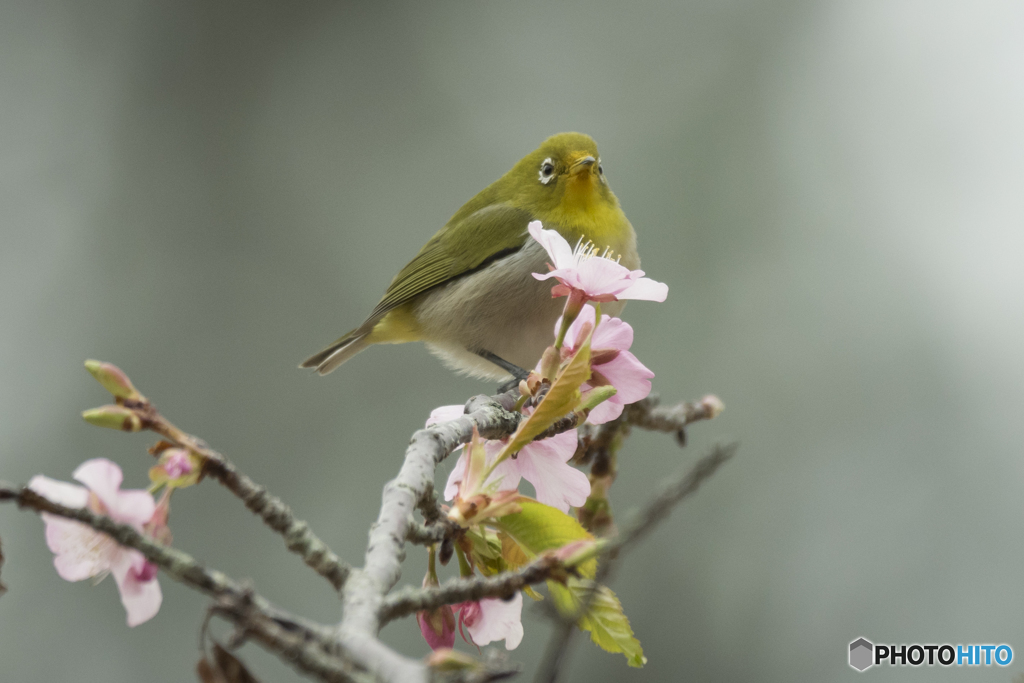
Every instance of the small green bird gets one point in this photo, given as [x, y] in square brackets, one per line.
[469, 294]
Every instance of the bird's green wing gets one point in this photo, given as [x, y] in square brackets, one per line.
[456, 250]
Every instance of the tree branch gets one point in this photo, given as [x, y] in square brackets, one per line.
[298, 536]
[646, 414]
[411, 599]
[363, 594]
[352, 652]
[637, 526]
[307, 648]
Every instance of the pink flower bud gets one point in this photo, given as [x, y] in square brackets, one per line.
[438, 627]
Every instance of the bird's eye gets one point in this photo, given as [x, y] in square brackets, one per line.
[600, 167]
[547, 171]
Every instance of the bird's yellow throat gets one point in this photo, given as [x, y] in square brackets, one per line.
[588, 212]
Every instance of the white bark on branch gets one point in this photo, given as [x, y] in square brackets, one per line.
[363, 593]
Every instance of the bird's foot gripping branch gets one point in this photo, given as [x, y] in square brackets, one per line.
[575, 409]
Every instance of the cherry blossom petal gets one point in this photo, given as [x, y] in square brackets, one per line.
[605, 412]
[445, 413]
[630, 377]
[102, 477]
[498, 620]
[135, 507]
[139, 589]
[567, 276]
[451, 488]
[69, 495]
[79, 552]
[612, 333]
[556, 246]
[559, 447]
[558, 484]
[645, 289]
[588, 315]
[507, 473]
[603, 276]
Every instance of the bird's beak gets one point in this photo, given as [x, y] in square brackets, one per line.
[581, 165]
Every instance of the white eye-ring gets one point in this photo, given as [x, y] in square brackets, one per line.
[600, 168]
[547, 171]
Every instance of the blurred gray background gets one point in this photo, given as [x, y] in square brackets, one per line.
[207, 192]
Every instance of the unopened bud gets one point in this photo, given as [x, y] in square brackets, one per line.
[113, 380]
[549, 363]
[444, 555]
[596, 396]
[713, 405]
[114, 417]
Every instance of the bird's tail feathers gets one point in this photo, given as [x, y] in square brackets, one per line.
[338, 352]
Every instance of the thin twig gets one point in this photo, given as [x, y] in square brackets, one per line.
[410, 599]
[637, 526]
[298, 536]
[647, 414]
[429, 534]
[641, 522]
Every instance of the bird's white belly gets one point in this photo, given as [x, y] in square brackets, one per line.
[501, 308]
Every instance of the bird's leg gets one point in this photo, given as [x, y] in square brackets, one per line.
[518, 373]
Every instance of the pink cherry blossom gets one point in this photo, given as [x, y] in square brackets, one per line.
[82, 553]
[492, 619]
[543, 463]
[176, 462]
[611, 363]
[586, 276]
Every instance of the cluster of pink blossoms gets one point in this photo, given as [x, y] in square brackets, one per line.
[582, 276]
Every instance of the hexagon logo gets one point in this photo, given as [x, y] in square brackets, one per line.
[861, 654]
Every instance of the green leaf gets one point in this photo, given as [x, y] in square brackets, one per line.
[608, 626]
[562, 398]
[515, 557]
[487, 550]
[538, 527]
